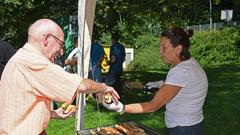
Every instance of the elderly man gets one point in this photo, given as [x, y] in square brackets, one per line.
[31, 80]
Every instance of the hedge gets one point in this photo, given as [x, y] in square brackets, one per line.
[208, 47]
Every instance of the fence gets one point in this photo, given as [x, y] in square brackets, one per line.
[216, 25]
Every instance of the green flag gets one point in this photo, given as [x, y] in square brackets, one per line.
[69, 43]
[68, 38]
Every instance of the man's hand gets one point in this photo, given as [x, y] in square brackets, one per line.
[110, 90]
[71, 62]
[68, 61]
[61, 113]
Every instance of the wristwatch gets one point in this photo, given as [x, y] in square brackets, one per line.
[123, 110]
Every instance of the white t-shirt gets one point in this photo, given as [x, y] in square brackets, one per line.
[73, 53]
[185, 109]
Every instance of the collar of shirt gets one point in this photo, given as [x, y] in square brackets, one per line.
[30, 47]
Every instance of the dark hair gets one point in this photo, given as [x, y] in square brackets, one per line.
[95, 36]
[116, 36]
[178, 36]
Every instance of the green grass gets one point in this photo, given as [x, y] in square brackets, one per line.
[222, 104]
[221, 107]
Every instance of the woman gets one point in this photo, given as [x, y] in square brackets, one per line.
[183, 92]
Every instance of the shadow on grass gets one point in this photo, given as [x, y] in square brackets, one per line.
[221, 108]
[144, 76]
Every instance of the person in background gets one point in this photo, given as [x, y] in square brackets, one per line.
[71, 61]
[117, 57]
[6, 52]
[183, 92]
[31, 80]
[96, 58]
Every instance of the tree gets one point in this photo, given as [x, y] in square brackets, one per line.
[130, 17]
[16, 15]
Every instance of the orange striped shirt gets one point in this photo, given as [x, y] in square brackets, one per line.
[29, 83]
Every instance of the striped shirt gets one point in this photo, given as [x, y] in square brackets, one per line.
[29, 83]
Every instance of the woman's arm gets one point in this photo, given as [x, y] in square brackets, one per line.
[164, 95]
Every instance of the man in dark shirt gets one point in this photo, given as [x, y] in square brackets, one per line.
[117, 57]
[6, 52]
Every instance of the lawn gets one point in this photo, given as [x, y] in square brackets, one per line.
[221, 107]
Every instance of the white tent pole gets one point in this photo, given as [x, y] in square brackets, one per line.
[86, 11]
[80, 97]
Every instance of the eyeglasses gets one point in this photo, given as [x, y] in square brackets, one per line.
[60, 42]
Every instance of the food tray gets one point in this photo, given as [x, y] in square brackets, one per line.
[148, 131]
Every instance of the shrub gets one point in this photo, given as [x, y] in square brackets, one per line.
[147, 54]
[216, 47]
[208, 47]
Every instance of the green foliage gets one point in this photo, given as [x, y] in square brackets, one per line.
[131, 17]
[208, 47]
[134, 18]
[147, 54]
[216, 47]
[106, 39]
[17, 15]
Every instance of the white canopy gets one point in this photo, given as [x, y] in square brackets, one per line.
[86, 11]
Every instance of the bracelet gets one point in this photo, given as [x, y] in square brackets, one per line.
[123, 110]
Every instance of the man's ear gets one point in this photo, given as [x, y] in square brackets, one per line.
[179, 50]
[45, 40]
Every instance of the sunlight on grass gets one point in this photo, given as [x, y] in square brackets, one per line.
[221, 109]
